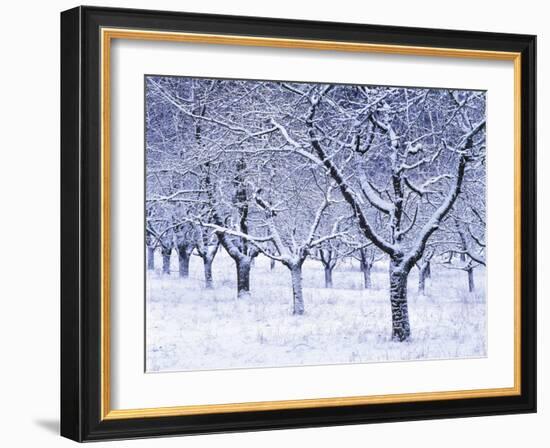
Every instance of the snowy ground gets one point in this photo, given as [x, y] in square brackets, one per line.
[189, 328]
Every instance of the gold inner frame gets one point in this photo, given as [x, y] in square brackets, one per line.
[107, 35]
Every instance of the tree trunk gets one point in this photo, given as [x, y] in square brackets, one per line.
[423, 274]
[297, 292]
[208, 283]
[166, 253]
[150, 258]
[328, 277]
[401, 330]
[365, 269]
[184, 256]
[243, 277]
[429, 270]
[471, 283]
[421, 280]
[272, 264]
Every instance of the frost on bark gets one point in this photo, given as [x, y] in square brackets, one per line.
[401, 330]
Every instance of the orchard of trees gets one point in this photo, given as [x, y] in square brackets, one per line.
[325, 172]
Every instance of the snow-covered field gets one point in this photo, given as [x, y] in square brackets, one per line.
[189, 328]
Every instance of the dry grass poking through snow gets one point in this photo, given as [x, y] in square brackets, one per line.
[189, 328]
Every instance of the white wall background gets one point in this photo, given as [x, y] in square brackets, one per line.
[29, 223]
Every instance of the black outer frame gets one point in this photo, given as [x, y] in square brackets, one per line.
[80, 224]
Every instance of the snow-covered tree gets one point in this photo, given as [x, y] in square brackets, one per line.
[388, 148]
[367, 255]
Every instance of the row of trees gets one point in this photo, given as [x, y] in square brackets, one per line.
[326, 256]
[295, 171]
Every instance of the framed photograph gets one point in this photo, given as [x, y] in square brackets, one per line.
[273, 223]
